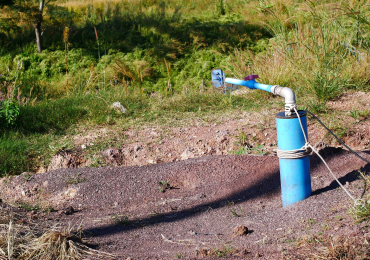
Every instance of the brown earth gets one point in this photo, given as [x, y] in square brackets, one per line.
[189, 138]
[197, 207]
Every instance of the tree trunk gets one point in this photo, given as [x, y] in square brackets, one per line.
[38, 37]
[37, 25]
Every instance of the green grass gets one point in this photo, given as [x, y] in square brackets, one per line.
[38, 132]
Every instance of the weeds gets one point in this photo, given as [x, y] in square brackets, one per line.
[36, 208]
[222, 252]
[27, 177]
[311, 221]
[258, 150]
[164, 185]
[9, 111]
[354, 114]
[122, 220]
[242, 138]
[361, 213]
[30, 207]
[75, 180]
[343, 248]
[240, 151]
[234, 211]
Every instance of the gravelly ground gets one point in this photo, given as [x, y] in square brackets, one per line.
[122, 210]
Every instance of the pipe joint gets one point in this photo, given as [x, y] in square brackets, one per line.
[288, 94]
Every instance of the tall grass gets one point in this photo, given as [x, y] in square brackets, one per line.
[318, 48]
[132, 33]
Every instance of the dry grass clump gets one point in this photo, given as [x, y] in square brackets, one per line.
[134, 72]
[344, 248]
[332, 248]
[18, 241]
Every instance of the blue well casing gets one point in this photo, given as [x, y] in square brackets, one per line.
[295, 175]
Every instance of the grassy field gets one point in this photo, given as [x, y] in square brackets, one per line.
[155, 57]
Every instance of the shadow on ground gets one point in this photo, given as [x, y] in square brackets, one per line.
[268, 186]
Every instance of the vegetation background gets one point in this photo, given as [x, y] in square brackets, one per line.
[155, 57]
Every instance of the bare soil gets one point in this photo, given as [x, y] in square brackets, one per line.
[178, 193]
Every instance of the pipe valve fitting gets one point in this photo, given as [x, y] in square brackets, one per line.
[288, 94]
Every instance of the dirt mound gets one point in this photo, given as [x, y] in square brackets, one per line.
[190, 208]
[227, 134]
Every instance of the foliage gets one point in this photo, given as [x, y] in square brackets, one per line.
[9, 111]
[164, 185]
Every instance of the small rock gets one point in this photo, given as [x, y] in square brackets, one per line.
[83, 146]
[118, 107]
[210, 150]
[31, 213]
[187, 154]
[115, 204]
[68, 210]
[26, 193]
[107, 153]
[222, 139]
[240, 231]
[258, 255]
[34, 188]
[169, 155]
[137, 148]
[151, 161]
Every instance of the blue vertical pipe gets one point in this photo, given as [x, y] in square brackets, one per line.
[294, 173]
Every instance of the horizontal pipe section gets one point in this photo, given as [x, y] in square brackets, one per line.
[252, 84]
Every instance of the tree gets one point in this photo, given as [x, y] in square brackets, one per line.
[33, 14]
[37, 24]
